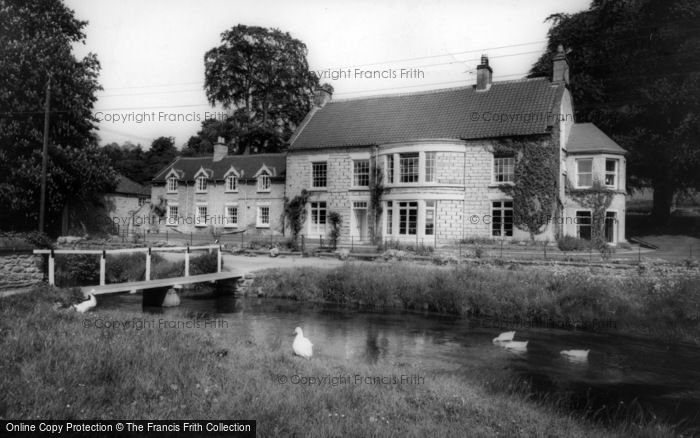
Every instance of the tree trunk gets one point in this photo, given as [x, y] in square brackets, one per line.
[663, 197]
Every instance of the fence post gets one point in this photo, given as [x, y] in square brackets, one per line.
[187, 261]
[460, 249]
[302, 245]
[148, 264]
[501, 248]
[52, 267]
[102, 267]
[352, 243]
[190, 237]
[218, 260]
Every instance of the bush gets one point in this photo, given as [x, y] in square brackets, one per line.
[570, 243]
[204, 264]
[73, 270]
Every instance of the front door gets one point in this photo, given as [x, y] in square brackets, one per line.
[360, 220]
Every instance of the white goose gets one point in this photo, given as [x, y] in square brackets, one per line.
[504, 337]
[575, 355]
[516, 345]
[86, 305]
[302, 346]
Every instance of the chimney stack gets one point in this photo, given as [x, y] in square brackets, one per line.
[220, 149]
[322, 96]
[483, 74]
[560, 67]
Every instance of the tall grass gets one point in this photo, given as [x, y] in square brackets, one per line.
[660, 307]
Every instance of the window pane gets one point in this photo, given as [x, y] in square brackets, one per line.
[408, 164]
[319, 174]
[390, 169]
[430, 165]
[585, 166]
[610, 165]
[502, 219]
[583, 219]
[361, 173]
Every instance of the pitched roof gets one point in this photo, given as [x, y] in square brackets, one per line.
[587, 138]
[455, 113]
[127, 186]
[246, 166]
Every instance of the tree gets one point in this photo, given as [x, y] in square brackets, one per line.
[636, 74]
[129, 160]
[162, 153]
[262, 74]
[35, 45]
[203, 142]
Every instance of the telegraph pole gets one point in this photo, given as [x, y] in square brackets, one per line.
[45, 157]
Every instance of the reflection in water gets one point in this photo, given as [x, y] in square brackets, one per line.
[620, 371]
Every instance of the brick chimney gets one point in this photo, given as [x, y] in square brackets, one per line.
[322, 96]
[220, 149]
[560, 67]
[483, 74]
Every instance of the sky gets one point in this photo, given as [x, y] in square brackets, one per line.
[152, 52]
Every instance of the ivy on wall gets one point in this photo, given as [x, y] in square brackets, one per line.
[376, 191]
[597, 198]
[534, 189]
[295, 212]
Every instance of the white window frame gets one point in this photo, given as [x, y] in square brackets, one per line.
[201, 183]
[589, 225]
[500, 164]
[316, 226]
[500, 212]
[320, 178]
[615, 174]
[227, 180]
[389, 218]
[430, 206]
[415, 168]
[170, 219]
[259, 216]
[200, 221]
[430, 168]
[264, 182]
[172, 183]
[408, 208]
[389, 166]
[356, 174]
[579, 173]
[228, 224]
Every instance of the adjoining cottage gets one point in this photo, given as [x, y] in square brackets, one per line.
[226, 193]
[445, 166]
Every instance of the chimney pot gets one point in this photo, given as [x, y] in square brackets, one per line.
[560, 67]
[484, 74]
[322, 96]
[220, 150]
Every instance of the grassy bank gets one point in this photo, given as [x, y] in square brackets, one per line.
[663, 307]
[54, 366]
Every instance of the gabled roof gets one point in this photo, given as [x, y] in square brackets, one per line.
[587, 138]
[246, 166]
[126, 186]
[509, 108]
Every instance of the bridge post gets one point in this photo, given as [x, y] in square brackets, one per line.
[148, 264]
[52, 267]
[187, 261]
[218, 260]
[102, 268]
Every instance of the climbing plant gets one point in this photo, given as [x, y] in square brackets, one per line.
[336, 221]
[534, 189]
[376, 191]
[597, 198]
[295, 212]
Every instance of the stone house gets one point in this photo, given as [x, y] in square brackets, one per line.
[440, 158]
[228, 193]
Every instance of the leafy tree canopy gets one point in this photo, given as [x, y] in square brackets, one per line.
[635, 72]
[35, 46]
[263, 76]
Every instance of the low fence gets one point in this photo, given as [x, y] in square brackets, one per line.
[103, 259]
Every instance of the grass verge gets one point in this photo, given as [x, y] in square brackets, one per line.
[55, 366]
[660, 307]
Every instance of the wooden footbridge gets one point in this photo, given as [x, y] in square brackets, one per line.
[221, 278]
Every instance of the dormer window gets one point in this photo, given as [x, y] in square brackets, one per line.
[201, 183]
[264, 182]
[172, 184]
[231, 183]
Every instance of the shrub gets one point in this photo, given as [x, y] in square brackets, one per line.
[335, 220]
[204, 264]
[127, 267]
[570, 243]
[77, 269]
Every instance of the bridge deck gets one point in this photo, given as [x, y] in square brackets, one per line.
[161, 282]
